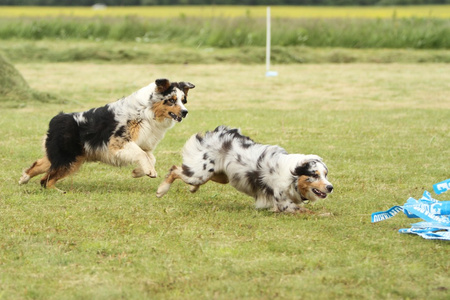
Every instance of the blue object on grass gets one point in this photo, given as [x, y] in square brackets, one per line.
[428, 209]
[384, 215]
[429, 231]
[435, 213]
[441, 187]
[271, 73]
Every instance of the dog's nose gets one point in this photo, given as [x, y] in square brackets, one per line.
[329, 188]
[184, 113]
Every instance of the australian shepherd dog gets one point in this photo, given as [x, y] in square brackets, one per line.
[120, 133]
[277, 180]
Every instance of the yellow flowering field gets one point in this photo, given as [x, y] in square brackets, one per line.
[436, 11]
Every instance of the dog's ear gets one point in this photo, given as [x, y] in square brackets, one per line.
[185, 86]
[302, 170]
[162, 85]
[305, 168]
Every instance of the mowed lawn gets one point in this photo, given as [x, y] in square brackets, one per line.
[382, 129]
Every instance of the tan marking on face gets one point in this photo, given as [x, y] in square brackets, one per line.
[162, 111]
[305, 187]
[133, 128]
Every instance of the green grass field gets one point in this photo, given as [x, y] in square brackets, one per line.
[198, 27]
[382, 129]
[203, 33]
[142, 53]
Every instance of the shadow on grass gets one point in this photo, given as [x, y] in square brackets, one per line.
[211, 198]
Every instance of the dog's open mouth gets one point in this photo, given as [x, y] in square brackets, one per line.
[319, 193]
[175, 117]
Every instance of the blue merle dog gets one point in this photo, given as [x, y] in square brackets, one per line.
[277, 180]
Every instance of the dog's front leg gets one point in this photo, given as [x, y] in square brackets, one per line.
[289, 206]
[146, 167]
[132, 153]
[140, 171]
[152, 157]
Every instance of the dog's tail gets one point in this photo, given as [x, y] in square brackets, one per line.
[63, 142]
[64, 152]
[64, 148]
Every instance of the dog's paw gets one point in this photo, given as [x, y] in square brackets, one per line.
[24, 179]
[302, 210]
[162, 189]
[152, 174]
[194, 188]
[138, 172]
[295, 210]
[290, 207]
[326, 215]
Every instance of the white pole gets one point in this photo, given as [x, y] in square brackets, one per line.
[268, 72]
[268, 40]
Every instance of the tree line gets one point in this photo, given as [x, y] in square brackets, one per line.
[221, 2]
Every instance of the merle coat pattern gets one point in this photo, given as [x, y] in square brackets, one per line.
[120, 133]
[277, 180]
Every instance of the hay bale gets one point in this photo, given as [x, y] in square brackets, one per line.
[12, 85]
[14, 90]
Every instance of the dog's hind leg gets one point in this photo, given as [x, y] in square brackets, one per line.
[38, 167]
[185, 173]
[48, 180]
[164, 187]
[220, 178]
[53, 175]
[216, 177]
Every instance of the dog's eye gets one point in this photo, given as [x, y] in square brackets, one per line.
[316, 176]
[184, 101]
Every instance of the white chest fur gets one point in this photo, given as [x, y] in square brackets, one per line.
[152, 132]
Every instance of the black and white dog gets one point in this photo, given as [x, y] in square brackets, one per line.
[276, 179]
[120, 133]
